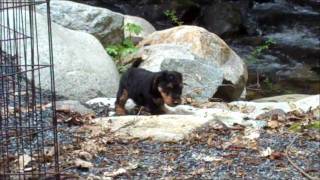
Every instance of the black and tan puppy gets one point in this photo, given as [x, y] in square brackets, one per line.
[149, 89]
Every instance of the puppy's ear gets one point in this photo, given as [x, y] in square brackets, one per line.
[156, 81]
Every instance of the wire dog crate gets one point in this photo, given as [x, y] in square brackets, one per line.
[28, 126]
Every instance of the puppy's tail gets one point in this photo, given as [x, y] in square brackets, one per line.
[136, 62]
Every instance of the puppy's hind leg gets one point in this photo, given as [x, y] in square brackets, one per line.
[122, 97]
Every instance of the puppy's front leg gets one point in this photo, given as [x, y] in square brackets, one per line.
[122, 97]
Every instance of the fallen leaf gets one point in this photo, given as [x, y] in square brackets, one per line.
[273, 124]
[276, 155]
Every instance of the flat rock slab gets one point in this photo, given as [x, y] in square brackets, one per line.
[182, 120]
[161, 128]
[283, 98]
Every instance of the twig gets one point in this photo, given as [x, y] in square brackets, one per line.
[140, 109]
[258, 81]
[294, 164]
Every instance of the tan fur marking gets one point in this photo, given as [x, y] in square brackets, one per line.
[120, 109]
[166, 98]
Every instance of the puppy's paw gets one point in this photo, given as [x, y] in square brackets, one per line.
[120, 111]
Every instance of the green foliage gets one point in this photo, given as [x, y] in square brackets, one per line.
[172, 15]
[126, 47]
[117, 51]
[315, 125]
[122, 49]
[133, 28]
[256, 53]
[295, 127]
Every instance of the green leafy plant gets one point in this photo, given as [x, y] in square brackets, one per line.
[253, 58]
[132, 29]
[256, 53]
[298, 127]
[295, 127]
[126, 47]
[172, 15]
[315, 125]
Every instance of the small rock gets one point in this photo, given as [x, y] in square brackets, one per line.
[82, 164]
[267, 152]
[72, 106]
[85, 155]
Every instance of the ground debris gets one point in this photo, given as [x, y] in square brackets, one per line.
[121, 171]
[214, 150]
[83, 164]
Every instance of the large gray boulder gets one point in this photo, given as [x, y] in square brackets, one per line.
[104, 24]
[209, 47]
[222, 18]
[83, 69]
[201, 78]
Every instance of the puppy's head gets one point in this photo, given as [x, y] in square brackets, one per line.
[169, 84]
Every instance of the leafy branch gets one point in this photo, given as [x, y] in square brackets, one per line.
[126, 47]
[172, 15]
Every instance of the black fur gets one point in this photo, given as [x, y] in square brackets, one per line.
[149, 89]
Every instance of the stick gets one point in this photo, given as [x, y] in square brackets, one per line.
[295, 165]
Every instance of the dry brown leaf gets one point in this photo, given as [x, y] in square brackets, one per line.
[276, 155]
[273, 124]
